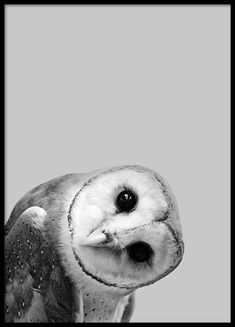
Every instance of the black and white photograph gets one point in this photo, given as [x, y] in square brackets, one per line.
[117, 163]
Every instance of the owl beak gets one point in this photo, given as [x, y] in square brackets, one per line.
[97, 238]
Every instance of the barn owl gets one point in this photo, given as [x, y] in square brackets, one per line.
[78, 247]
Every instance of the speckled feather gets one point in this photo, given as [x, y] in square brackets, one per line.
[33, 274]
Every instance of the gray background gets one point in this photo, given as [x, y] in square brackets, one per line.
[92, 87]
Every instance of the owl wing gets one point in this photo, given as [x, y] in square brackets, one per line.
[36, 289]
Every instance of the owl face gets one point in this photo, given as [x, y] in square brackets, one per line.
[125, 228]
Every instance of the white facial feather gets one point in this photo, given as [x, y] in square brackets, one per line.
[94, 217]
[97, 202]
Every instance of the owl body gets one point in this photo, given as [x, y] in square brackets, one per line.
[78, 246]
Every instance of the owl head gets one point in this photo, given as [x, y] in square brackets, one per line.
[124, 228]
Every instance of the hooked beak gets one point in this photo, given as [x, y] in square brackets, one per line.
[99, 238]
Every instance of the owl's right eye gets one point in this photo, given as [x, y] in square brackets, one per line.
[126, 201]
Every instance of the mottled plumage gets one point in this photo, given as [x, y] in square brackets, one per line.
[75, 253]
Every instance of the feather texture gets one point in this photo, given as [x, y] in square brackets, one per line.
[36, 287]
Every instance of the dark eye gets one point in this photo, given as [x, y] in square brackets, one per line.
[126, 201]
[140, 252]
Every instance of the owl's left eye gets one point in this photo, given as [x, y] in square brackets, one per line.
[126, 201]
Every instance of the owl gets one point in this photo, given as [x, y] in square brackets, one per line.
[79, 246]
